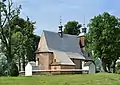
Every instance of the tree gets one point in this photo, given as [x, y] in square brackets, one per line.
[17, 37]
[72, 27]
[14, 69]
[24, 42]
[7, 14]
[104, 39]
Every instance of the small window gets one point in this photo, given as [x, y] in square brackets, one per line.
[37, 59]
[54, 60]
[55, 68]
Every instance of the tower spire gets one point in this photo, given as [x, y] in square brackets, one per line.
[60, 28]
[84, 22]
[60, 20]
[84, 28]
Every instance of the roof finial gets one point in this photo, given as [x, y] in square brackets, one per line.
[84, 28]
[60, 20]
[84, 21]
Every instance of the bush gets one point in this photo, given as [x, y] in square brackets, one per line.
[3, 66]
[117, 68]
[14, 69]
[3, 69]
[7, 69]
[118, 71]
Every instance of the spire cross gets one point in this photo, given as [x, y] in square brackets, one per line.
[60, 20]
[84, 21]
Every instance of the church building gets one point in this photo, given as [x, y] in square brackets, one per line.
[59, 51]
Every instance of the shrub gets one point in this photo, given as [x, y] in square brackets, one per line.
[117, 68]
[118, 71]
[7, 69]
[14, 69]
[3, 66]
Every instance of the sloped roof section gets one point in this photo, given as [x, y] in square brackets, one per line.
[87, 63]
[68, 44]
[75, 55]
[64, 59]
[42, 46]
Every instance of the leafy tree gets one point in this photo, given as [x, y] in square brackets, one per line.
[72, 27]
[104, 39]
[7, 13]
[17, 37]
[24, 42]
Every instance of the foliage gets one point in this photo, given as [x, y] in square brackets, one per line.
[17, 37]
[24, 42]
[3, 65]
[117, 68]
[103, 39]
[14, 70]
[23, 37]
[118, 71]
[7, 13]
[72, 27]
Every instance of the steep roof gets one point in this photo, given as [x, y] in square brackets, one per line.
[69, 44]
[63, 57]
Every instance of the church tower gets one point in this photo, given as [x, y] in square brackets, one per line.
[81, 36]
[60, 28]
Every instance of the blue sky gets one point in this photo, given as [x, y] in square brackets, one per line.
[47, 13]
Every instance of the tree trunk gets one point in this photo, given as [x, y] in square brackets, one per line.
[109, 68]
[9, 55]
[19, 64]
[114, 63]
[104, 66]
[23, 61]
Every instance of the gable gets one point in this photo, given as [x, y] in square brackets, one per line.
[42, 46]
[28, 66]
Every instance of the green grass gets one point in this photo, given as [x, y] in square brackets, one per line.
[97, 79]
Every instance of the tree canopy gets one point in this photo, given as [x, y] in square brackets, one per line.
[18, 41]
[72, 27]
[104, 39]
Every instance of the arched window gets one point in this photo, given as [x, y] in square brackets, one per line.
[37, 59]
[54, 60]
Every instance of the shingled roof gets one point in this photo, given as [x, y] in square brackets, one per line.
[68, 44]
[64, 48]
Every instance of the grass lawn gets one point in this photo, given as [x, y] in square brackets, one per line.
[97, 79]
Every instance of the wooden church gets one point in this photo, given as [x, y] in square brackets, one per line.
[59, 51]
